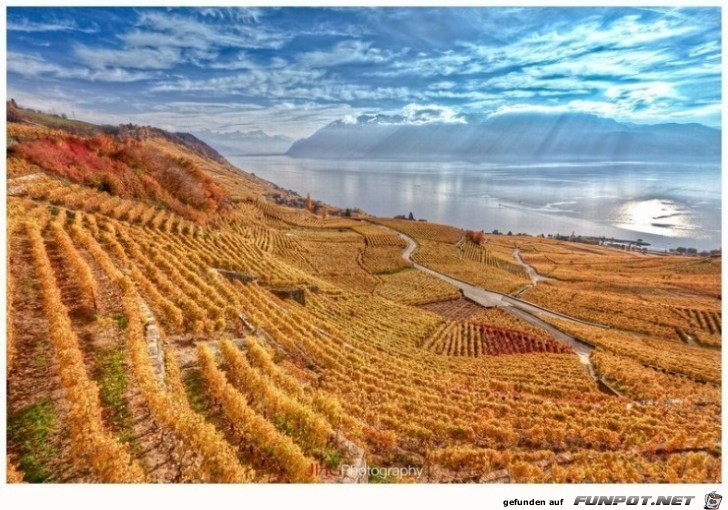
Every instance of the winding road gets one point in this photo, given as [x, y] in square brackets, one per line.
[487, 298]
[518, 307]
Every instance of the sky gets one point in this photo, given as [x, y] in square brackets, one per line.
[291, 71]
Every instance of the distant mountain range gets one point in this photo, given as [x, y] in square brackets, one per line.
[240, 143]
[511, 137]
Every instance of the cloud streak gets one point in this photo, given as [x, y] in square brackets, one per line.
[24, 25]
[36, 67]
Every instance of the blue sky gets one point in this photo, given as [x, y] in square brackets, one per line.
[290, 71]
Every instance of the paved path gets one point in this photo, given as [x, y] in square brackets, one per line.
[517, 307]
[487, 298]
[535, 277]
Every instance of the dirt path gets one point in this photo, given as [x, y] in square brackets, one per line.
[535, 277]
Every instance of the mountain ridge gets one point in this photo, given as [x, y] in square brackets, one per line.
[245, 143]
[513, 136]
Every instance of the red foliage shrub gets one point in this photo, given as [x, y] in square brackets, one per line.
[476, 237]
[129, 169]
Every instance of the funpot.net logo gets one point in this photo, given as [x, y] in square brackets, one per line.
[712, 500]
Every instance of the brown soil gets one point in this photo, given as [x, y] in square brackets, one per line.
[153, 446]
[34, 375]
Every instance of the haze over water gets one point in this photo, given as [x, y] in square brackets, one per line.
[666, 205]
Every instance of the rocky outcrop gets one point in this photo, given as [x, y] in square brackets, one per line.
[237, 276]
[154, 343]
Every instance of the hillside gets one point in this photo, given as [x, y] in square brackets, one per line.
[81, 128]
[510, 138]
[171, 319]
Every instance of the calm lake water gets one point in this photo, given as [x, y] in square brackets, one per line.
[665, 205]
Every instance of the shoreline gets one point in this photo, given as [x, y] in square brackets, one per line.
[297, 182]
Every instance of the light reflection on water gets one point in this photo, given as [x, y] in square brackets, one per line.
[615, 200]
[656, 216]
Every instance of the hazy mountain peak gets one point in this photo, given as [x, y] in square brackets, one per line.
[509, 136]
[241, 143]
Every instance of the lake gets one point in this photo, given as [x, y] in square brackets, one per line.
[665, 205]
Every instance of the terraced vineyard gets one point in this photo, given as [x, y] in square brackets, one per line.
[413, 287]
[476, 252]
[474, 339]
[675, 298]
[461, 309]
[224, 338]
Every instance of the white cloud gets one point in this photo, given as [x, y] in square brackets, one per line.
[622, 109]
[606, 63]
[586, 48]
[448, 63]
[238, 14]
[57, 100]
[292, 82]
[139, 58]
[426, 114]
[622, 47]
[23, 25]
[293, 119]
[163, 41]
[531, 80]
[242, 61]
[629, 67]
[711, 48]
[570, 40]
[257, 82]
[529, 108]
[159, 29]
[443, 85]
[415, 114]
[34, 66]
[346, 52]
[642, 92]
